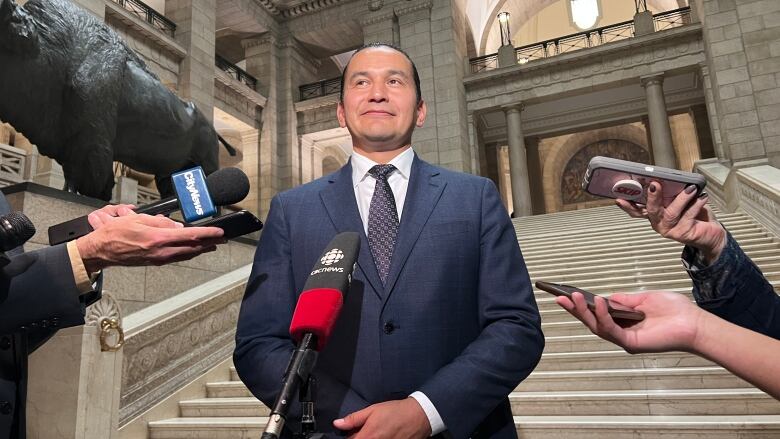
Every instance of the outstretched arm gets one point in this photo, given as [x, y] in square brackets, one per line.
[673, 323]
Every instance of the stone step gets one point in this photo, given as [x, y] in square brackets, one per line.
[599, 250]
[626, 256]
[670, 264]
[208, 428]
[528, 427]
[612, 426]
[616, 358]
[739, 401]
[227, 389]
[219, 407]
[744, 230]
[704, 377]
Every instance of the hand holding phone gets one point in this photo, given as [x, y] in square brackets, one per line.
[613, 178]
[616, 310]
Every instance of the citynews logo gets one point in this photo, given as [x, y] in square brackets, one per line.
[189, 177]
[330, 258]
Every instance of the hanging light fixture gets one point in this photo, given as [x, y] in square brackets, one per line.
[641, 5]
[503, 25]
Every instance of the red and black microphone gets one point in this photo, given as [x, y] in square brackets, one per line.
[315, 316]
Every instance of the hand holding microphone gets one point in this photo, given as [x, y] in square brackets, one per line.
[196, 198]
[312, 323]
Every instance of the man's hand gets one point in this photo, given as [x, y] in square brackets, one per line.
[671, 321]
[138, 239]
[402, 419]
[685, 220]
[96, 218]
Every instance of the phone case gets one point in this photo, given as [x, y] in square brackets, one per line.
[613, 178]
[615, 310]
[234, 224]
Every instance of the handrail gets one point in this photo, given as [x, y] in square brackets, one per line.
[236, 72]
[582, 40]
[320, 88]
[149, 15]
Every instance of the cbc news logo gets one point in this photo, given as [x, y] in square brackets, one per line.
[332, 256]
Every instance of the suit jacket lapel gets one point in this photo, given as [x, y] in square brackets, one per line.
[339, 200]
[422, 195]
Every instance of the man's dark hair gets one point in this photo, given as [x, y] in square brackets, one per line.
[390, 46]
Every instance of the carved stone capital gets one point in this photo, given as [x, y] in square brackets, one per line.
[515, 107]
[657, 79]
[375, 5]
[262, 40]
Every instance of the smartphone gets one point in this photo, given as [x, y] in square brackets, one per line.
[234, 224]
[616, 310]
[613, 178]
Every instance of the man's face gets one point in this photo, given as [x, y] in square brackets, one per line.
[380, 107]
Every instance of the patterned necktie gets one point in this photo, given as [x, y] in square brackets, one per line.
[382, 220]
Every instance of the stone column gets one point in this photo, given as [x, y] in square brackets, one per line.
[433, 34]
[195, 28]
[535, 175]
[262, 61]
[712, 111]
[660, 132]
[518, 163]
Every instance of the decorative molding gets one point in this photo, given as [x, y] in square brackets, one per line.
[267, 38]
[316, 103]
[301, 9]
[105, 308]
[676, 49]
[375, 18]
[375, 5]
[426, 4]
[239, 87]
[167, 354]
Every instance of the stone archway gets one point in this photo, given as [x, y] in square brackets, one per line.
[330, 165]
[558, 152]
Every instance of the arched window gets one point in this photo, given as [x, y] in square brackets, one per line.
[584, 13]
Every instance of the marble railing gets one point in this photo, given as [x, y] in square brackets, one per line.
[753, 188]
[169, 344]
[13, 165]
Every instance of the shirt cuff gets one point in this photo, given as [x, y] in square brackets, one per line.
[437, 424]
[83, 280]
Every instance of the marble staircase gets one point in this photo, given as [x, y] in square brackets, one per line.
[584, 387]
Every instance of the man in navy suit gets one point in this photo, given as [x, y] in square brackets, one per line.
[440, 323]
[47, 289]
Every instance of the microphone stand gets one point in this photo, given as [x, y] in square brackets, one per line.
[297, 376]
[307, 395]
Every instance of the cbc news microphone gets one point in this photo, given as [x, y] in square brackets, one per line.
[196, 197]
[315, 316]
[15, 230]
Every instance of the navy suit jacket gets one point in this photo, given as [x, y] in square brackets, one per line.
[456, 318]
[38, 295]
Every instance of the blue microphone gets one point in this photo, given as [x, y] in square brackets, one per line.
[193, 195]
[196, 197]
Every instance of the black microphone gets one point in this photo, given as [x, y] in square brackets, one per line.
[15, 230]
[226, 186]
[313, 320]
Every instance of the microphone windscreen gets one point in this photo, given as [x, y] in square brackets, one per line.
[316, 312]
[17, 229]
[334, 268]
[227, 186]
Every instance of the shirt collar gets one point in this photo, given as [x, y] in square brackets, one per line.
[361, 164]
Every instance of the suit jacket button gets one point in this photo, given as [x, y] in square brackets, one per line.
[5, 343]
[388, 328]
[5, 407]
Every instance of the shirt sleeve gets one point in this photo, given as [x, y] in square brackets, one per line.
[437, 423]
[84, 283]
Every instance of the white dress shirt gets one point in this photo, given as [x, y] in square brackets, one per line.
[364, 184]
